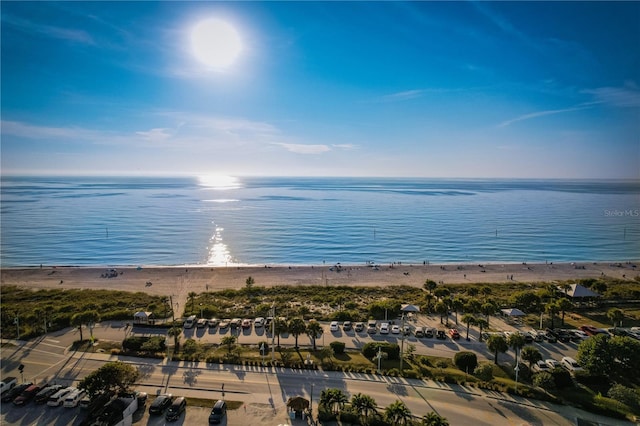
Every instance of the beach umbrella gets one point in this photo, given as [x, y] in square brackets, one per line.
[409, 308]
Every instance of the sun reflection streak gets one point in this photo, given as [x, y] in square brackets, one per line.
[219, 182]
[219, 254]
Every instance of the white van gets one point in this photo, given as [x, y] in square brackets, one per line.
[74, 398]
[189, 322]
[57, 398]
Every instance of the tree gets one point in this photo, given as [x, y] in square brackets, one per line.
[469, 320]
[488, 309]
[473, 306]
[333, 399]
[296, 328]
[429, 298]
[280, 326]
[192, 298]
[526, 300]
[544, 380]
[531, 354]
[91, 317]
[482, 324]
[430, 285]
[457, 304]
[552, 309]
[434, 419]
[175, 332]
[516, 341]
[86, 317]
[616, 315]
[485, 291]
[465, 361]
[314, 331]
[442, 309]
[564, 305]
[113, 376]
[228, 341]
[77, 321]
[497, 343]
[397, 413]
[249, 283]
[617, 356]
[442, 292]
[325, 353]
[364, 405]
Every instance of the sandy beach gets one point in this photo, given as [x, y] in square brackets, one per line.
[179, 281]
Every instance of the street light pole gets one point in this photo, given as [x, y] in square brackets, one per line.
[273, 333]
[402, 343]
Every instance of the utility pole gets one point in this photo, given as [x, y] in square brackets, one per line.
[16, 321]
[402, 343]
[273, 332]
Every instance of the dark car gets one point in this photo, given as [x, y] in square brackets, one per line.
[27, 395]
[160, 403]
[218, 412]
[44, 394]
[440, 334]
[14, 392]
[550, 337]
[177, 407]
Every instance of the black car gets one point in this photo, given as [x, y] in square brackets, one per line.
[13, 393]
[177, 407]
[27, 395]
[161, 403]
[440, 334]
[218, 412]
[45, 393]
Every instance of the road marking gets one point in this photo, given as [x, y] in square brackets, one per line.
[52, 340]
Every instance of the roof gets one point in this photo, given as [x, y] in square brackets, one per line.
[513, 312]
[143, 314]
[580, 291]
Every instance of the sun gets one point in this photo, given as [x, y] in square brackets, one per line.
[215, 43]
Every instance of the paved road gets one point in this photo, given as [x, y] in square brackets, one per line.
[264, 391]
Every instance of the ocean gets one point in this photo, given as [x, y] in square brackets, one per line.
[218, 221]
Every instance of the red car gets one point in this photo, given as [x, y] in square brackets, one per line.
[453, 333]
[591, 330]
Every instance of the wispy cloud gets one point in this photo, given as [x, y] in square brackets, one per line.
[627, 96]
[68, 34]
[156, 135]
[304, 148]
[542, 114]
[402, 96]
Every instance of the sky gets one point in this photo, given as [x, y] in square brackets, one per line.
[408, 89]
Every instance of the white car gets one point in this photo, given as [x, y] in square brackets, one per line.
[371, 327]
[384, 328]
[395, 329]
[258, 322]
[570, 364]
[540, 366]
[552, 363]
[334, 326]
[213, 322]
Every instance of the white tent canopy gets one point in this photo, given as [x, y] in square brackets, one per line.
[513, 312]
[142, 317]
[580, 291]
[409, 308]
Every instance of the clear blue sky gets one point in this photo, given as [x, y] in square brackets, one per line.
[435, 89]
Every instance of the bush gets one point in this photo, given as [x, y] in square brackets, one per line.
[625, 395]
[466, 361]
[392, 350]
[338, 347]
[562, 378]
[588, 379]
[484, 371]
[544, 380]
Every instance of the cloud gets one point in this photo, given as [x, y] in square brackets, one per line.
[623, 97]
[345, 146]
[156, 135]
[304, 149]
[542, 114]
[69, 34]
[30, 131]
[402, 96]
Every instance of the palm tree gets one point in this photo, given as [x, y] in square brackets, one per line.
[165, 302]
[91, 317]
[77, 320]
[485, 291]
[564, 305]
[430, 285]
[488, 309]
[296, 328]
[434, 419]
[516, 341]
[175, 332]
[552, 309]
[531, 355]
[192, 297]
[397, 413]
[472, 291]
[333, 399]
[442, 309]
[457, 303]
[469, 320]
[473, 306]
[429, 297]
[482, 324]
[616, 315]
[279, 327]
[497, 343]
[364, 405]
[228, 341]
[314, 331]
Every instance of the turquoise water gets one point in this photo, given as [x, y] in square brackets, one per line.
[177, 221]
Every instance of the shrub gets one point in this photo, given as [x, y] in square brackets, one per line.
[588, 379]
[484, 371]
[392, 350]
[465, 360]
[562, 378]
[544, 380]
[625, 395]
[338, 347]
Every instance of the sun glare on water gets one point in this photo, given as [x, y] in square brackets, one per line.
[215, 43]
[220, 182]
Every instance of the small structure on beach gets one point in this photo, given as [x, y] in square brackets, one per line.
[579, 291]
[513, 312]
[298, 406]
[143, 318]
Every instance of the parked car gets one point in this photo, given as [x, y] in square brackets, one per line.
[246, 323]
[224, 323]
[218, 412]
[334, 326]
[384, 328]
[431, 332]
[359, 326]
[570, 364]
[235, 323]
[7, 383]
[190, 321]
[346, 326]
[27, 395]
[161, 403]
[550, 336]
[528, 337]
[406, 330]
[73, 399]
[419, 332]
[441, 335]
[213, 322]
[371, 327]
[268, 321]
[44, 394]
[258, 322]
[14, 392]
[540, 366]
[538, 336]
[454, 334]
[201, 323]
[176, 408]
[578, 335]
[57, 398]
[552, 363]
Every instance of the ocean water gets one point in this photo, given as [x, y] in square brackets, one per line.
[294, 221]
